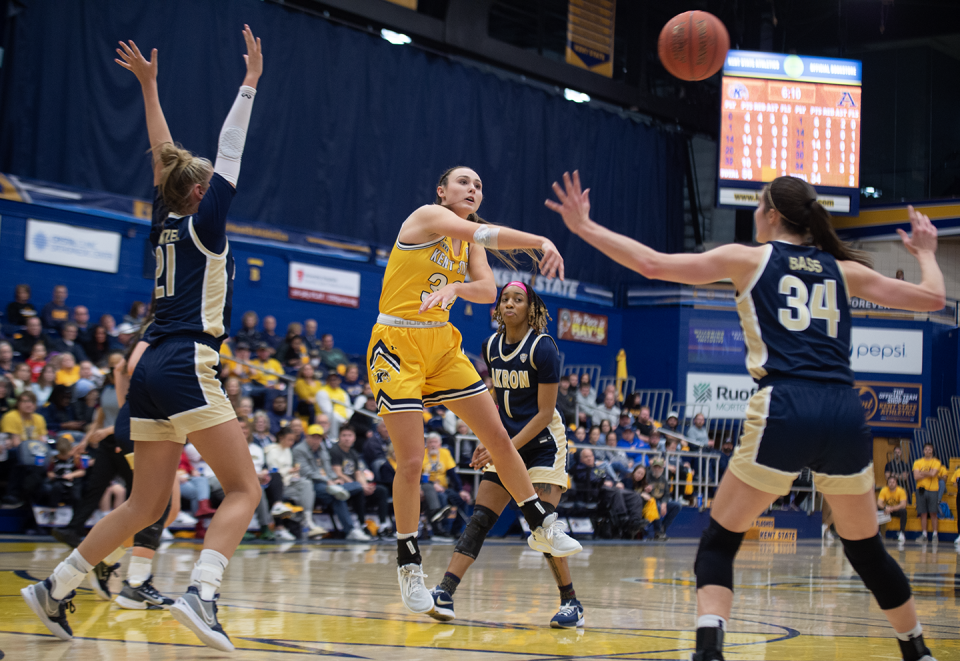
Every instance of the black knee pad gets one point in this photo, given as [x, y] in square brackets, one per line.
[149, 537]
[880, 573]
[479, 526]
[714, 563]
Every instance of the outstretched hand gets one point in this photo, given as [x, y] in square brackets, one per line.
[132, 60]
[254, 56]
[923, 233]
[574, 204]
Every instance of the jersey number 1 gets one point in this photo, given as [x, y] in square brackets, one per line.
[822, 304]
[171, 267]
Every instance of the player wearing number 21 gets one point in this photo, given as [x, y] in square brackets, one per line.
[415, 358]
[792, 294]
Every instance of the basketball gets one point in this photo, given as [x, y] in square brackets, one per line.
[692, 45]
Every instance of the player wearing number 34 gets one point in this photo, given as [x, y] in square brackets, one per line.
[792, 295]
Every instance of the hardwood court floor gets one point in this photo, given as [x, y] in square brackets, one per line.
[793, 603]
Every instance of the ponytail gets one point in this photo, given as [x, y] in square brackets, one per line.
[802, 215]
[506, 257]
[180, 171]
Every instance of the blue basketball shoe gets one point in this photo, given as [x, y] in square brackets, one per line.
[442, 605]
[570, 615]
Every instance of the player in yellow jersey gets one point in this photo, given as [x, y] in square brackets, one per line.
[415, 358]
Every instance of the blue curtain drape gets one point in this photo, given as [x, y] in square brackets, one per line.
[348, 135]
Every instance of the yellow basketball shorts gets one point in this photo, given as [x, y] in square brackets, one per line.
[415, 367]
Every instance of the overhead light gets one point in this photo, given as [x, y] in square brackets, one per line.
[870, 191]
[395, 38]
[575, 96]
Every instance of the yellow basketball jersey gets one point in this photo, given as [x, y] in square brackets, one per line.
[415, 271]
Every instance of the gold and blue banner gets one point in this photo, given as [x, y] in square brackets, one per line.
[590, 29]
[715, 342]
[891, 404]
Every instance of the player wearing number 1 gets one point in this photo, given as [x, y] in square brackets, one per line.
[415, 359]
[792, 299]
[174, 390]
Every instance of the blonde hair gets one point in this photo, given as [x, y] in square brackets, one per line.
[507, 257]
[180, 172]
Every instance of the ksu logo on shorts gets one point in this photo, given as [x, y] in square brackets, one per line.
[382, 376]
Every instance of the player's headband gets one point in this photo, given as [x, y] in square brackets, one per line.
[516, 283]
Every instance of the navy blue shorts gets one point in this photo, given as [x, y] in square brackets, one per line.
[794, 424]
[174, 391]
[544, 456]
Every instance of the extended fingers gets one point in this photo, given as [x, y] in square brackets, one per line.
[559, 192]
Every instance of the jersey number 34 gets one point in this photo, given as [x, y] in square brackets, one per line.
[804, 305]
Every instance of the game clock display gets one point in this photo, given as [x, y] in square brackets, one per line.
[789, 115]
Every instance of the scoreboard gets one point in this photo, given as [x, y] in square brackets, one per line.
[789, 115]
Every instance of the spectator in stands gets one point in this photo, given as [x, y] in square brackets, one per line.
[248, 329]
[588, 477]
[672, 422]
[310, 338]
[697, 432]
[678, 468]
[925, 471]
[31, 335]
[81, 317]
[101, 345]
[567, 402]
[292, 352]
[662, 493]
[59, 412]
[726, 452]
[69, 372]
[279, 457]
[245, 410]
[261, 434]
[330, 356]
[21, 379]
[55, 313]
[586, 407]
[109, 324]
[38, 360]
[138, 312]
[6, 359]
[277, 413]
[126, 332]
[942, 479]
[24, 423]
[628, 441]
[592, 438]
[376, 449]
[363, 423]
[20, 309]
[581, 437]
[612, 458]
[269, 333]
[43, 388]
[349, 469]
[610, 389]
[641, 503]
[195, 487]
[314, 460]
[897, 468]
[333, 401]
[264, 376]
[899, 274]
[593, 484]
[68, 342]
[65, 471]
[892, 500]
[86, 399]
[353, 383]
[656, 441]
[441, 469]
[631, 404]
[270, 482]
[90, 373]
[7, 400]
[644, 424]
[232, 388]
[234, 368]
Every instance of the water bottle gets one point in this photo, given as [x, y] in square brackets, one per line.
[700, 500]
[424, 478]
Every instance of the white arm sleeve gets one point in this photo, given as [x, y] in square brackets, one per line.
[233, 135]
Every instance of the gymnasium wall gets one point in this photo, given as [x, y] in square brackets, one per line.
[349, 133]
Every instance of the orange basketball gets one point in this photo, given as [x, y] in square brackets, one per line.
[693, 44]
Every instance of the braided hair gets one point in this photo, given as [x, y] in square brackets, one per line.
[537, 314]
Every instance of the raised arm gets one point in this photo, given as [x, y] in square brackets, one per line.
[434, 220]
[733, 261]
[233, 135]
[928, 296]
[146, 72]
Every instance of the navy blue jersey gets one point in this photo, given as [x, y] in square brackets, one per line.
[517, 370]
[195, 269]
[795, 316]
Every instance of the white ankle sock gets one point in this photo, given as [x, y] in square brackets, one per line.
[916, 632]
[69, 574]
[711, 622]
[208, 573]
[139, 570]
[406, 535]
[115, 557]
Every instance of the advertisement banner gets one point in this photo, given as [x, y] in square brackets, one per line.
[66, 245]
[891, 404]
[569, 288]
[716, 342]
[590, 28]
[727, 395]
[322, 285]
[886, 351]
[582, 327]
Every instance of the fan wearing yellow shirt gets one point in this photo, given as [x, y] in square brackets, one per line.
[893, 501]
[69, 372]
[925, 472]
[333, 401]
[440, 468]
[267, 376]
[24, 423]
[955, 478]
